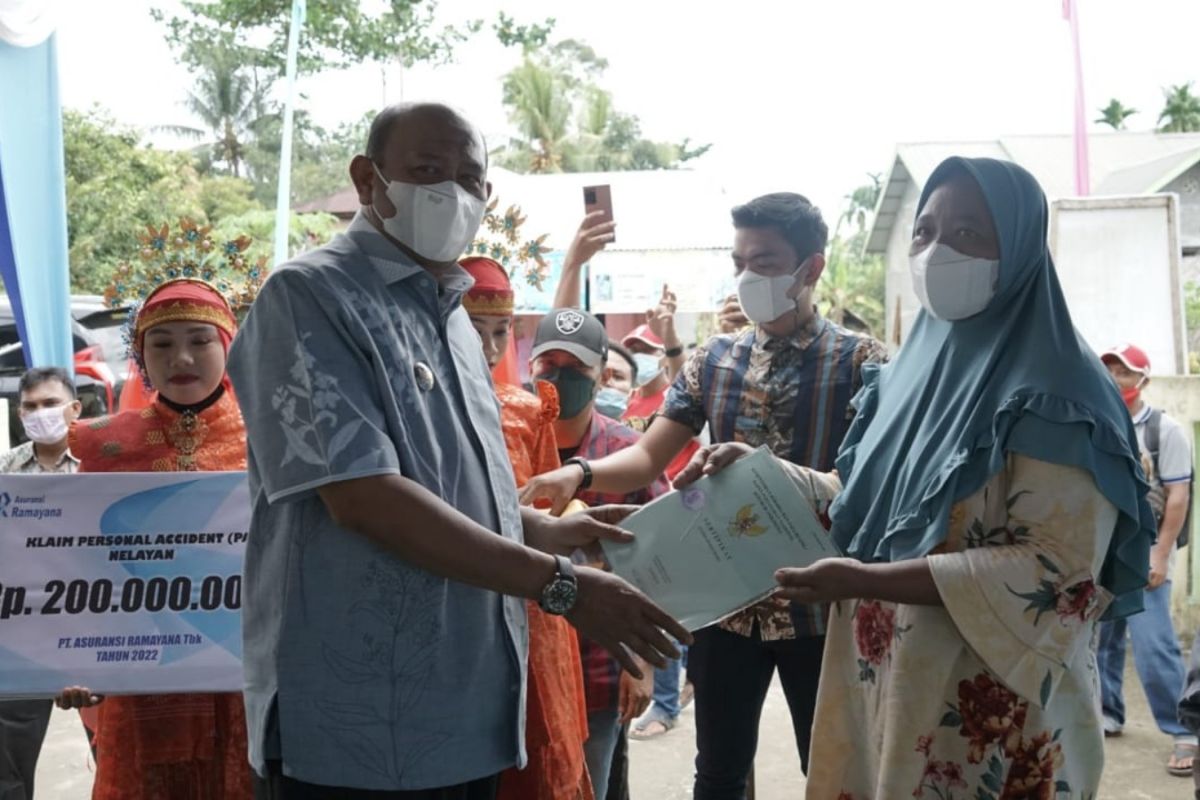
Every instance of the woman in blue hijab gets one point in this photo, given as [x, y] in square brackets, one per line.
[992, 512]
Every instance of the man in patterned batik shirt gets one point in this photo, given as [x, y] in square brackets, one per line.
[785, 383]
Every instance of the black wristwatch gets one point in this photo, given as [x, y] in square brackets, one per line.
[560, 593]
[674, 352]
[587, 470]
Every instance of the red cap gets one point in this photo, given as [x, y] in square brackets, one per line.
[643, 333]
[1132, 357]
[185, 300]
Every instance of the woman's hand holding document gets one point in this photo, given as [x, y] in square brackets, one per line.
[712, 548]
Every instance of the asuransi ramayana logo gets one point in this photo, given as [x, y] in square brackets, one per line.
[31, 507]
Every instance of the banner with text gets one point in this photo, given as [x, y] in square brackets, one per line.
[122, 582]
[630, 282]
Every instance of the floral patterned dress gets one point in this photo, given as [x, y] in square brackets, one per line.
[994, 695]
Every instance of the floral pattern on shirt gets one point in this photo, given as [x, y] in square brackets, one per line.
[762, 403]
[991, 696]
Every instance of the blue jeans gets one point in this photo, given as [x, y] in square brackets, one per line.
[604, 729]
[1156, 656]
[666, 686]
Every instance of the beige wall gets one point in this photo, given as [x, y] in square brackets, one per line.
[1179, 398]
[899, 281]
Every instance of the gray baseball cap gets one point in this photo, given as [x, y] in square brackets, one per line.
[572, 331]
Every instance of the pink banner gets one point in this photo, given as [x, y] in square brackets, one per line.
[1082, 173]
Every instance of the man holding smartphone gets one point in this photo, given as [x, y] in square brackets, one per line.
[785, 383]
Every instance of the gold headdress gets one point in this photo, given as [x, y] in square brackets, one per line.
[501, 242]
[187, 255]
[190, 253]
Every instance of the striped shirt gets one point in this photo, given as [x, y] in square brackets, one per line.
[791, 394]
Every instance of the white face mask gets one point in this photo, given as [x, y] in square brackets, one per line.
[438, 221]
[648, 368]
[953, 286]
[46, 425]
[763, 297]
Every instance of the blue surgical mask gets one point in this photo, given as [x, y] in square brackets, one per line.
[575, 390]
[612, 403]
[648, 367]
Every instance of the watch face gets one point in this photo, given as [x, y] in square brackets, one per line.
[559, 596]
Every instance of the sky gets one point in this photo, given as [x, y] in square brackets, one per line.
[797, 95]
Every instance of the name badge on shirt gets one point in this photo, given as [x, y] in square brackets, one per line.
[424, 376]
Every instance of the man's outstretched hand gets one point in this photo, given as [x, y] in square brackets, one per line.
[623, 621]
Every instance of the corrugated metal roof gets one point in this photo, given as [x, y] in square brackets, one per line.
[1121, 163]
[654, 210]
[1149, 177]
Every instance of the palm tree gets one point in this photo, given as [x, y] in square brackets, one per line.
[853, 284]
[540, 108]
[230, 101]
[1114, 115]
[1181, 111]
[861, 202]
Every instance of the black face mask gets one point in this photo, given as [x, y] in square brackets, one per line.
[575, 390]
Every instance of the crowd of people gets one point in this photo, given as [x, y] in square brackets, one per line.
[426, 613]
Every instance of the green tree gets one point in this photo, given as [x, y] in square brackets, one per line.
[115, 187]
[853, 283]
[320, 157]
[230, 101]
[565, 122]
[539, 106]
[337, 33]
[223, 196]
[1114, 115]
[860, 204]
[1181, 110]
[305, 231]
[1191, 300]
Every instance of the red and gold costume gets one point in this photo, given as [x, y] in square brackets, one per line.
[180, 746]
[556, 714]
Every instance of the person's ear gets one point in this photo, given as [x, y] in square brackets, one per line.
[487, 189]
[362, 172]
[816, 266]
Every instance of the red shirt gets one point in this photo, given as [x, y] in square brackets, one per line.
[642, 411]
[601, 672]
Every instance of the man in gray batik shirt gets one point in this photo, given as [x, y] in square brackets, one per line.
[384, 623]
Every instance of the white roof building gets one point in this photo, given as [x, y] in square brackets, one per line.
[673, 226]
[1122, 163]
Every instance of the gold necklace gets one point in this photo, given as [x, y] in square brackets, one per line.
[186, 435]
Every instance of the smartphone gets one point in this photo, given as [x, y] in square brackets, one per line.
[598, 198]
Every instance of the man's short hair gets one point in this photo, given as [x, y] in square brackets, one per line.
[616, 347]
[381, 128]
[796, 219]
[38, 375]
